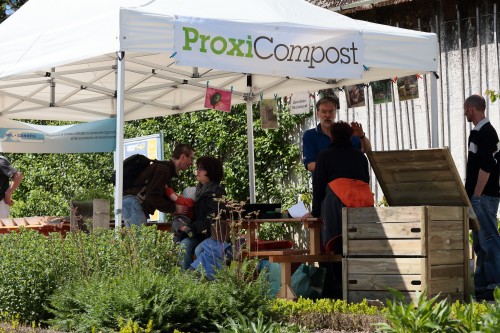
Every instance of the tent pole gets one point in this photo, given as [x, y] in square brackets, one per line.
[120, 83]
[434, 111]
[251, 161]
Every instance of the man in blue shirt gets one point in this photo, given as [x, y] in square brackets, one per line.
[319, 138]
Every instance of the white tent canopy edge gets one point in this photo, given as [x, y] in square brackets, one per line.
[88, 60]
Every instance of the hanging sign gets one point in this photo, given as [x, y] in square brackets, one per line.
[407, 87]
[355, 95]
[381, 91]
[299, 103]
[269, 113]
[218, 99]
[276, 50]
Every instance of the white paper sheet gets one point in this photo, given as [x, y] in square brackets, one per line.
[297, 210]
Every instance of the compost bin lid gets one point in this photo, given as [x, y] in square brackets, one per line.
[420, 177]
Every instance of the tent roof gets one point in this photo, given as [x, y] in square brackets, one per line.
[58, 59]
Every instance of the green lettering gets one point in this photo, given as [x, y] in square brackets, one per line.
[249, 44]
[236, 47]
[189, 39]
[222, 49]
[203, 47]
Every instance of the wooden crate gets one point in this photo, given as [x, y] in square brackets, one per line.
[410, 249]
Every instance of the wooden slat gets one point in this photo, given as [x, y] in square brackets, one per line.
[384, 230]
[446, 257]
[383, 282]
[447, 271]
[446, 285]
[398, 156]
[401, 266]
[446, 241]
[385, 247]
[418, 176]
[35, 220]
[440, 187]
[306, 258]
[383, 214]
[19, 221]
[356, 296]
[446, 213]
[422, 199]
[7, 222]
[267, 253]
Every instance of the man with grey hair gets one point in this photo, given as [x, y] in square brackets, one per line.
[482, 186]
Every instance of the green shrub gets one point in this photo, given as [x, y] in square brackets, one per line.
[27, 276]
[32, 266]
[165, 301]
[469, 314]
[327, 314]
[287, 308]
[243, 324]
[425, 316]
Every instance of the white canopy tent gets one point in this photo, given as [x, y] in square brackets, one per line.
[84, 60]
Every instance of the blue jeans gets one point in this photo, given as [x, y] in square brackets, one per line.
[188, 246]
[486, 243]
[132, 213]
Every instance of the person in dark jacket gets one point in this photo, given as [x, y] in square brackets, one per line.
[209, 173]
[481, 184]
[141, 201]
[340, 160]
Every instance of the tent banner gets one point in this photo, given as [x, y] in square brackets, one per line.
[277, 50]
[93, 137]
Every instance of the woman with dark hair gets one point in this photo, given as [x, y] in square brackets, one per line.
[340, 179]
[209, 173]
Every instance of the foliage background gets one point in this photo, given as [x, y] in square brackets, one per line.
[51, 181]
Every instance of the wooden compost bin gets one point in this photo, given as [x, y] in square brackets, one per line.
[421, 241]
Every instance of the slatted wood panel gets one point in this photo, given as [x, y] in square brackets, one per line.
[32, 221]
[420, 177]
[409, 249]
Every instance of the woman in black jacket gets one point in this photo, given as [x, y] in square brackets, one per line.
[209, 173]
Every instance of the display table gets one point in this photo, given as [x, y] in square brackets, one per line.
[287, 256]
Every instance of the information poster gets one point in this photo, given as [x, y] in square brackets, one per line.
[152, 147]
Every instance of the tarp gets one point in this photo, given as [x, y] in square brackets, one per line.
[86, 60]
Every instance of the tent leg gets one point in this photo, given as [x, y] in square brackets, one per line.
[434, 112]
[120, 90]
[251, 160]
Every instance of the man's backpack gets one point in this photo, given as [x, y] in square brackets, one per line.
[133, 166]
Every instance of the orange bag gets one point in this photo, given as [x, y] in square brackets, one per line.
[352, 192]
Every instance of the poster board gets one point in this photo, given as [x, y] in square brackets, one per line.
[152, 147]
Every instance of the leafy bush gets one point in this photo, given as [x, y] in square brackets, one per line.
[27, 275]
[426, 316]
[164, 301]
[32, 266]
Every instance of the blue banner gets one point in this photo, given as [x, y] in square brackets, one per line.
[93, 137]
